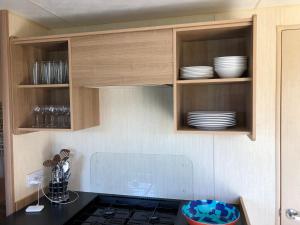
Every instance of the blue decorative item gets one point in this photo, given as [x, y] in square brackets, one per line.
[203, 212]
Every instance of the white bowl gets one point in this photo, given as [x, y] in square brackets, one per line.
[197, 67]
[231, 58]
[230, 66]
[230, 72]
[231, 61]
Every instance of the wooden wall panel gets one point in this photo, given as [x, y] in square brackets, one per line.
[7, 117]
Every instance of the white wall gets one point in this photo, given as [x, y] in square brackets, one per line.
[138, 120]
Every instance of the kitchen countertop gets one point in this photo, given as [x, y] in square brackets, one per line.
[52, 214]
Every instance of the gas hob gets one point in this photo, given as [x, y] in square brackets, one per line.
[121, 210]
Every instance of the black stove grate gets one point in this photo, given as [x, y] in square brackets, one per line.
[127, 211]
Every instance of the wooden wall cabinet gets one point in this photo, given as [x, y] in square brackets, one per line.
[83, 102]
[129, 58]
[140, 56]
[198, 46]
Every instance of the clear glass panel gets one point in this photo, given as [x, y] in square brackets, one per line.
[149, 175]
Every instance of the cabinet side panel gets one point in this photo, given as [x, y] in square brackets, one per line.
[85, 108]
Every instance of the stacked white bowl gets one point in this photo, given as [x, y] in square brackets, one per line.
[211, 120]
[230, 66]
[196, 72]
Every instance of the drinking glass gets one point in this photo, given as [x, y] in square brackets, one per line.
[37, 117]
[60, 74]
[49, 72]
[44, 72]
[52, 114]
[36, 73]
[65, 73]
[61, 116]
[67, 117]
[47, 116]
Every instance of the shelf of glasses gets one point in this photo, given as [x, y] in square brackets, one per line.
[43, 85]
[42, 129]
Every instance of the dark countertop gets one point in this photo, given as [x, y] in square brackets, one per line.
[52, 214]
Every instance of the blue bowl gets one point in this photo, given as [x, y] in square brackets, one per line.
[203, 212]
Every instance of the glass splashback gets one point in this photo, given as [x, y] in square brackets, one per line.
[150, 175]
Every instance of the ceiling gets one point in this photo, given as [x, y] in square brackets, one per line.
[66, 13]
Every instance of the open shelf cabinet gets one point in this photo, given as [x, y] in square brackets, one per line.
[83, 102]
[198, 46]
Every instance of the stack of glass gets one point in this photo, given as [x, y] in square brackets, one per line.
[50, 72]
[51, 116]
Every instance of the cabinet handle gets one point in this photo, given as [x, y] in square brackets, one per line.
[292, 214]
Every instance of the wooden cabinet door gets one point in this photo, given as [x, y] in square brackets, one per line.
[130, 58]
[290, 127]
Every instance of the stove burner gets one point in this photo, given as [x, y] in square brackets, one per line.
[153, 219]
[109, 213]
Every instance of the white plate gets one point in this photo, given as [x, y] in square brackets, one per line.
[196, 74]
[196, 71]
[195, 78]
[210, 128]
[211, 112]
[211, 123]
[197, 67]
[202, 76]
[212, 115]
[211, 120]
[225, 116]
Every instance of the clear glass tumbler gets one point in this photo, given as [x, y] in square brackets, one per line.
[60, 72]
[65, 73]
[36, 73]
[37, 117]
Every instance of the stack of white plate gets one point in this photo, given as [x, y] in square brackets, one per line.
[230, 66]
[196, 72]
[211, 120]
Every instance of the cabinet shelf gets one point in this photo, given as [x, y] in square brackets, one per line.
[215, 81]
[43, 85]
[32, 129]
[233, 130]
